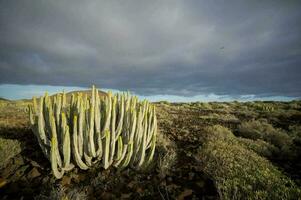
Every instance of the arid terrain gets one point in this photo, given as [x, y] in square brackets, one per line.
[229, 150]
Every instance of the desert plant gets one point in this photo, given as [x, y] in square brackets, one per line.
[8, 149]
[239, 172]
[260, 129]
[260, 147]
[114, 129]
[166, 155]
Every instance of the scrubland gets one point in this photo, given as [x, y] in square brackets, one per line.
[228, 150]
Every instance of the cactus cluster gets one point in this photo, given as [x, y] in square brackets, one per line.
[115, 130]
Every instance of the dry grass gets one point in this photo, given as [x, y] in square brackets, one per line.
[8, 149]
[166, 155]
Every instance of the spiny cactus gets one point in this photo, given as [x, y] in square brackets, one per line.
[115, 130]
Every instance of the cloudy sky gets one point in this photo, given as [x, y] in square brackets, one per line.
[165, 49]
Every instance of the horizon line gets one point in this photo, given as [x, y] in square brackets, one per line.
[27, 91]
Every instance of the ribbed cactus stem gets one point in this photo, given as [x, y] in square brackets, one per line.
[41, 123]
[150, 157]
[58, 107]
[66, 143]
[138, 135]
[54, 135]
[122, 157]
[133, 125]
[31, 115]
[54, 166]
[76, 154]
[97, 112]
[120, 116]
[81, 123]
[64, 100]
[88, 158]
[97, 122]
[108, 103]
[91, 146]
[113, 131]
[119, 148]
[106, 153]
[129, 154]
[142, 150]
[150, 127]
[72, 99]
[35, 105]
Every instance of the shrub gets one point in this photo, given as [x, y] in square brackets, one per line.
[166, 155]
[259, 146]
[256, 129]
[295, 133]
[217, 132]
[240, 173]
[205, 105]
[53, 192]
[8, 149]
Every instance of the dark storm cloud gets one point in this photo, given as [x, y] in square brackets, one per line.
[154, 47]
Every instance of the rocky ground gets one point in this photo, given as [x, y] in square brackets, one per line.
[181, 168]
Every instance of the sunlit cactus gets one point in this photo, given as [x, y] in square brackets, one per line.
[112, 129]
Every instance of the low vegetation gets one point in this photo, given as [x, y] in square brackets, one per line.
[229, 150]
[241, 173]
[260, 129]
[8, 149]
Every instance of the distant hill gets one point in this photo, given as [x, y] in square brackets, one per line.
[3, 99]
[88, 92]
[68, 94]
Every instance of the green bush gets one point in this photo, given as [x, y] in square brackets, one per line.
[256, 129]
[240, 173]
[205, 105]
[295, 133]
[217, 132]
[259, 146]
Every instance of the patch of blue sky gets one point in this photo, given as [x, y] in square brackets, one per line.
[14, 92]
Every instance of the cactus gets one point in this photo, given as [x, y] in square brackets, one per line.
[114, 130]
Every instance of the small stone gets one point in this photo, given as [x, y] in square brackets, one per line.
[33, 173]
[66, 180]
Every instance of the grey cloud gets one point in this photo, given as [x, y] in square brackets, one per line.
[154, 47]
